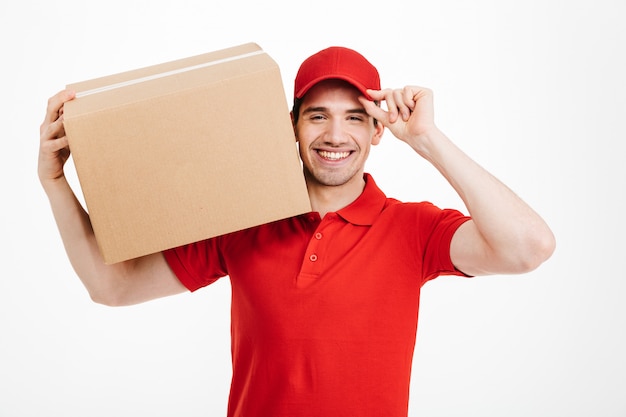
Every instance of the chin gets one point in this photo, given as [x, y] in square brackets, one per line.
[332, 179]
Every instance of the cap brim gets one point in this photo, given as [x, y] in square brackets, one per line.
[300, 93]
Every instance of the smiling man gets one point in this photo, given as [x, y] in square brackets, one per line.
[334, 134]
[324, 305]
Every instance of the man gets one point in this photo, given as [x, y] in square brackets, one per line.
[325, 304]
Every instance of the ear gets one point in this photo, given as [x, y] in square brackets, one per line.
[379, 129]
[293, 124]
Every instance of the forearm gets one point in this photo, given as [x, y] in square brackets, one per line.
[514, 237]
[77, 235]
[124, 283]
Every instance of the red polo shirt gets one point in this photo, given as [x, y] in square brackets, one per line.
[324, 311]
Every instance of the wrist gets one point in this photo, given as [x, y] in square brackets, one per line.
[428, 142]
[52, 184]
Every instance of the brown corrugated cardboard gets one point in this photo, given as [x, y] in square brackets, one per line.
[183, 151]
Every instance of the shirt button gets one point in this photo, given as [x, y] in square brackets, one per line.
[313, 258]
[318, 236]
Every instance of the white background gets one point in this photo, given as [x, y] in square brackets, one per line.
[533, 90]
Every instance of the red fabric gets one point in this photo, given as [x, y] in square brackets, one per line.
[336, 62]
[324, 312]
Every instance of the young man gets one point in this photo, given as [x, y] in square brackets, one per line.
[325, 304]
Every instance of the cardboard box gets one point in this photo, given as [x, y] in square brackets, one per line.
[183, 151]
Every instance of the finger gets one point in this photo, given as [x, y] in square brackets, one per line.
[52, 130]
[405, 107]
[421, 93]
[373, 110]
[376, 95]
[55, 105]
[391, 104]
[55, 145]
[408, 97]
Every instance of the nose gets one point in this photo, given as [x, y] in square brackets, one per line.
[335, 133]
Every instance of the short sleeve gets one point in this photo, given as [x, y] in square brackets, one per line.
[198, 264]
[438, 228]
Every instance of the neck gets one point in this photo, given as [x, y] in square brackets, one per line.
[327, 198]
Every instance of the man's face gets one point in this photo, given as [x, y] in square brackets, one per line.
[334, 134]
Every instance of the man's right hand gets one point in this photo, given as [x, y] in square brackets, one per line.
[53, 147]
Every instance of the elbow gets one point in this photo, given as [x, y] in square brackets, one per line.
[105, 299]
[543, 248]
[109, 295]
[534, 252]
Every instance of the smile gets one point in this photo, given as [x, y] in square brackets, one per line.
[333, 156]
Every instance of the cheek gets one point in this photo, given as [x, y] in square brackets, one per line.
[304, 136]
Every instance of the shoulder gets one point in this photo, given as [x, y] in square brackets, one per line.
[420, 209]
[423, 220]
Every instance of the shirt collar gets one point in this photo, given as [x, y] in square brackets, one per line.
[364, 210]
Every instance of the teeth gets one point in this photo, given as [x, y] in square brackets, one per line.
[334, 156]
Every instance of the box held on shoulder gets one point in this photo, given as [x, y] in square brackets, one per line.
[185, 150]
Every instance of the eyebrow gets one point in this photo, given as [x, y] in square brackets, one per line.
[323, 109]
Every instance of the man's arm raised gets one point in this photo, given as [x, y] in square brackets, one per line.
[123, 283]
[505, 235]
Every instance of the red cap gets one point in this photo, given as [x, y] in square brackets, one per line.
[337, 62]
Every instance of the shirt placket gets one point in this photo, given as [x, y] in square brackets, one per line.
[317, 251]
